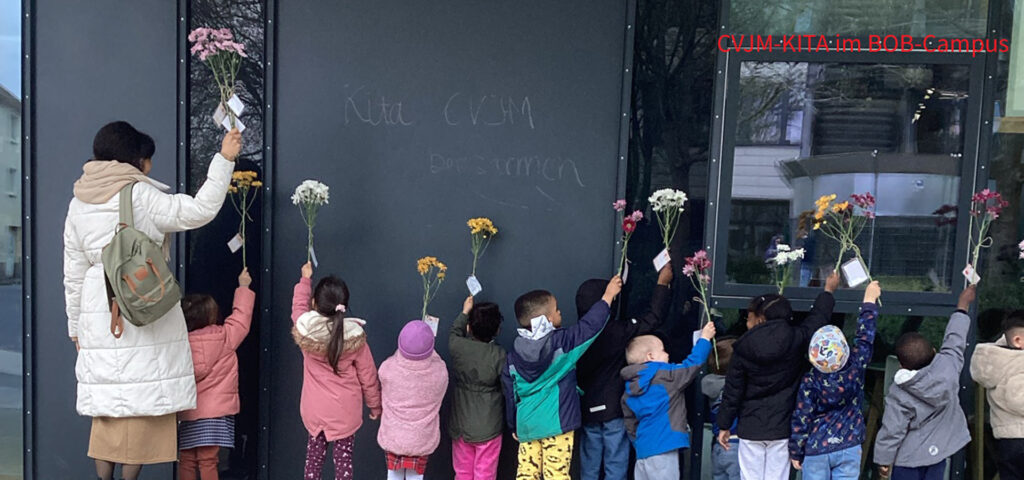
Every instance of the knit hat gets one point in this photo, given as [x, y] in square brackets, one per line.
[828, 351]
[416, 340]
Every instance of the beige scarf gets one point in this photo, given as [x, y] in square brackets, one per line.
[102, 179]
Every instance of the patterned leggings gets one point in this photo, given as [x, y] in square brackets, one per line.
[550, 456]
[316, 451]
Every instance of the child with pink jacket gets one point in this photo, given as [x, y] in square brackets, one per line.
[203, 430]
[413, 382]
[338, 372]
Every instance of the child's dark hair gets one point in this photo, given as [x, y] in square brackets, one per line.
[771, 307]
[724, 349]
[914, 351]
[485, 321]
[329, 293]
[531, 304]
[200, 310]
[1013, 324]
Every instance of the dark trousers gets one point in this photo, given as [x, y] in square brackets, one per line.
[1011, 458]
[931, 472]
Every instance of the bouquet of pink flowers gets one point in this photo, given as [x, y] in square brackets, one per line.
[219, 50]
[698, 270]
[628, 227]
[986, 206]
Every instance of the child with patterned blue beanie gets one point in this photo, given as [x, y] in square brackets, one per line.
[828, 423]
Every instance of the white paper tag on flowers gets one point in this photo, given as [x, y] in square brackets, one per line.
[226, 123]
[854, 272]
[432, 321]
[625, 272]
[219, 115]
[661, 260]
[971, 276]
[235, 244]
[473, 285]
[236, 105]
[312, 256]
[696, 336]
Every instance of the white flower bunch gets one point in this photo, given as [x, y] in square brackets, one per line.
[785, 255]
[667, 204]
[667, 198]
[311, 192]
[309, 196]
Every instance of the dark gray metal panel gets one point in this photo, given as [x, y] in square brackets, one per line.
[362, 93]
[95, 62]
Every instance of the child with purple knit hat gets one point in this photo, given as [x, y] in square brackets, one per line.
[413, 382]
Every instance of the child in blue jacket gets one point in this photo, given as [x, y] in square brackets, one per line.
[828, 423]
[654, 406]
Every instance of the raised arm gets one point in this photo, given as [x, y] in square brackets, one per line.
[238, 323]
[821, 310]
[592, 322]
[302, 293]
[180, 212]
[661, 299]
[864, 343]
[955, 341]
[459, 325]
[75, 266]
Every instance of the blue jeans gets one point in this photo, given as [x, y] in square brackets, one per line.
[725, 464]
[841, 465]
[608, 441]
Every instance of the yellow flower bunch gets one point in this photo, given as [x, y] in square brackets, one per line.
[242, 183]
[481, 229]
[245, 179]
[425, 266]
[837, 221]
[840, 207]
[481, 225]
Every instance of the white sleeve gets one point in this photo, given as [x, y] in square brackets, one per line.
[181, 212]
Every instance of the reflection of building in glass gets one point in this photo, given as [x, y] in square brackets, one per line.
[10, 186]
[806, 130]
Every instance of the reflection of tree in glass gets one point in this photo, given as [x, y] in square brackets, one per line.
[949, 18]
[770, 92]
[245, 19]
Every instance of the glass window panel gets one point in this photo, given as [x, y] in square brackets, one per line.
[804, 130]
[11, 335]
[942, 18]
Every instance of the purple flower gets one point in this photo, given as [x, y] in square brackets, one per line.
[619, 205]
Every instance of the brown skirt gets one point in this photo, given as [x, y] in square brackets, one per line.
[134, 440]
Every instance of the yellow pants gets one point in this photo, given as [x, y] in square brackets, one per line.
[550, 455]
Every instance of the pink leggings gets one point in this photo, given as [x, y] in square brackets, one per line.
[476, 461]
[316, 451]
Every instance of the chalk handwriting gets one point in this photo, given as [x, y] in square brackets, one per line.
[547, 168]
[374, 110]
[488, 110]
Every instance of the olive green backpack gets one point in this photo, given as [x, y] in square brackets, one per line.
[139, 283]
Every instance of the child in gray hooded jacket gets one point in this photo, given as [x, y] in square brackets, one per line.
[923, 424]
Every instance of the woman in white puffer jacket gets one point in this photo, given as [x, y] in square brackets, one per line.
[132, 386]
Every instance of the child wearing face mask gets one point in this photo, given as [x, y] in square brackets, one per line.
[761, 385]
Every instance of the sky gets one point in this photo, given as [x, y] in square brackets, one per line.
[10, 45]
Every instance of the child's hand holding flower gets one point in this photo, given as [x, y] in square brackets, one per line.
[467, 305]
[708, 332]
[872, 293]
[612, 290]
[832, 283]
[244, 280]
[307, 270]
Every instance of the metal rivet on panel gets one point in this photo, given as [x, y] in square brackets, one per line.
[627, 70]
[181, 19]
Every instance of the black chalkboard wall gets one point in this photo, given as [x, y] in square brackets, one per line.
[420, 115]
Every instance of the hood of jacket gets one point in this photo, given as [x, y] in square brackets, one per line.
[102, 179]
[638, 378]
[589, 293]
[312, 333]
[994, 364]
[766, 343]
[207, 347]
[925, 385]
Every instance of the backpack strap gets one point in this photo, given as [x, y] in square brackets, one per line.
[127, 218]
